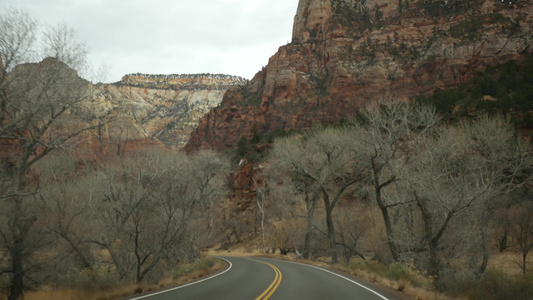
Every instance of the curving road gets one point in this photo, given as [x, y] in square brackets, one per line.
[262, 279]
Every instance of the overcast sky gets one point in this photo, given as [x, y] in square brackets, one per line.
[235, 37]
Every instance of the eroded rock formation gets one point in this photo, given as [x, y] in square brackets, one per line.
[166, 107]
[139, 111]
[348, 53]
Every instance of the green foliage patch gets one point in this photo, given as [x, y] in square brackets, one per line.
[250, 99]
[445, 8]
[352, 16]
[506, 88]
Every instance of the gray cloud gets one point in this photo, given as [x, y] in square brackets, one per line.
[234, 37]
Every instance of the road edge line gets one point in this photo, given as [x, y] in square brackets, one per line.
[186, 285]
[339, 275]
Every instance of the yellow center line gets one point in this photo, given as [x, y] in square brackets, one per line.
[274, 285]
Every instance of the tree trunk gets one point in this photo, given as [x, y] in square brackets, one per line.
[503, 241]
[524, 263]
[376, 170]
[485, 246]
[434, 263]
[19, 229]
[386, 218]
[307, 242]
[310, 204]
[17, 285]
[17, 270]
[390, 238]
[432, 241]
[331, 234]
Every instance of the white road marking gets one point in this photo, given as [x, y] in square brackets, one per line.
[345, 278]
[185, 285]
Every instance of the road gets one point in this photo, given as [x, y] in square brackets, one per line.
[262, 279]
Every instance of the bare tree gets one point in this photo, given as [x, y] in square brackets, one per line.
[133, 239]
[453, 173]
[522, 231]
[151, 207]
[506, 163]
[18, 39]
[64, 199]
[208, 172]
[39, 100]
[260, 202]
[38, 107]
[388, 132]
[352, 223]
[323, 162]
[60, 41]
[292, 189]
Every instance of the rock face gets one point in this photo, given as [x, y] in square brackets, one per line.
[165, 108]
[139, 111]
[346, 54]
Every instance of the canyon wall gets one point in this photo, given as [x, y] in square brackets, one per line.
[137, 112]
[346, 54]
[165, 108]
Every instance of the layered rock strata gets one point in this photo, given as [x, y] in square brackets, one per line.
[346, 54]
[139, 111]
[166, 107]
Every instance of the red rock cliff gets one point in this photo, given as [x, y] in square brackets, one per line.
[348, 53]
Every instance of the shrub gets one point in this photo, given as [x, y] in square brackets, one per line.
[100, 279]
[203, 264]
[395, 271]
[495, 285]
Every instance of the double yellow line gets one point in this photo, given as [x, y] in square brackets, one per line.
[274, 285]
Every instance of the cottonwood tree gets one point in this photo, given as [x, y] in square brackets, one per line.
[260, 202]
[131, 236]
[292, 190]
[451, 175]
[64, 198]
[38, 102]
[522, 231]
[208, 172]
[505, 162]
[38, 106]
[388, 131]
[322, 164]
[153, 207]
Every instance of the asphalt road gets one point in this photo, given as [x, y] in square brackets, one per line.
[262, 278]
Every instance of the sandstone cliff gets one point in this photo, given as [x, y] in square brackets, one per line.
[347, 53]
[165, 107]
[137, 112]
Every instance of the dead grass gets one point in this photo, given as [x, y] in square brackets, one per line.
[507, 262]
[186, 274]
[59, 295]
[237, 251]
[417, 287]
[200, 273]
[402, 288]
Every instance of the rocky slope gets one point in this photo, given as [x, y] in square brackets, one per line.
[348, 53]
[140, 110]
[166, 107]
